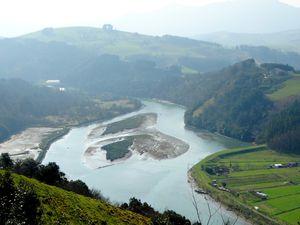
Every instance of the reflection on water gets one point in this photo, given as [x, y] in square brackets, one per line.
[162, 183]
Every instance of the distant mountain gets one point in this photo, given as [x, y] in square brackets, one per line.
[243, 16]
[286, 40]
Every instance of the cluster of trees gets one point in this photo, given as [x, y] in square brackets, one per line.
[18, 205]
[49, 174]
[168, 217]
[282, 130]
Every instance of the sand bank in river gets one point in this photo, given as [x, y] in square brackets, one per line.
[27, 143]
[148, 142]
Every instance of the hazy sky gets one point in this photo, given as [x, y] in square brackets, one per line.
[22, 16]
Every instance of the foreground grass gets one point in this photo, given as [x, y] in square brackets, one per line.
[63, 207]
[249, 171]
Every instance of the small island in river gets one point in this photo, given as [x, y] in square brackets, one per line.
[114, 142]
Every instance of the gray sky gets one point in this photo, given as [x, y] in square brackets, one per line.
[23, 16]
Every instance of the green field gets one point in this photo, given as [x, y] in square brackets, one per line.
[126, 44]
[246, 171]
[289, 88]
[59, 206]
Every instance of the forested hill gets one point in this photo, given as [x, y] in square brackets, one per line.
[25, 105]
[244, 106]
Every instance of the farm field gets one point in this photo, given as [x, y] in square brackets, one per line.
[244, 172]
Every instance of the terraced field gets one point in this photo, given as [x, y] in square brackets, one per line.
[243, 172]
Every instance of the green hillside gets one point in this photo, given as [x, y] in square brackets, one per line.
[122, 43]
[288, 89]
[58, 206]
[163, 50]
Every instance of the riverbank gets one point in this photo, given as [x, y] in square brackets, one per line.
[234, 177]
[31, 143]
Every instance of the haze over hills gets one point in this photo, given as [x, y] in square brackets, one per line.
[108, 106]
[285, 40]
[191, 55]
[231, 16]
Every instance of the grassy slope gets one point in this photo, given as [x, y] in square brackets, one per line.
[63, 207]
[288, 89]
[123, 43]
[252, 173]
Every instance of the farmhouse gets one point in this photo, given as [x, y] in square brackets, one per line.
[276, 166]
[261, 195]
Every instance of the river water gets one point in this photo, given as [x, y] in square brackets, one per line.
[162, 183]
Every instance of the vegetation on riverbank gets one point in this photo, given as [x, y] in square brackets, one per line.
[235, 177]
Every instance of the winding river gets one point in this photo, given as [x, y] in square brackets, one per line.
[162, 183]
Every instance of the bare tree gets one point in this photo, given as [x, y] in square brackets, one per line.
[195, 203]
[227, 221]
[211, 213]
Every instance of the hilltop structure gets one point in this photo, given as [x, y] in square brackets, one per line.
[107, 27]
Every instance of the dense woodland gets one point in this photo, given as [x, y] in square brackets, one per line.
[282, 131]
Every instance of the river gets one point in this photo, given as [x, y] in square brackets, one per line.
[162, 183]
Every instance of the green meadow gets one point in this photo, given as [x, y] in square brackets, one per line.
[289, 88]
